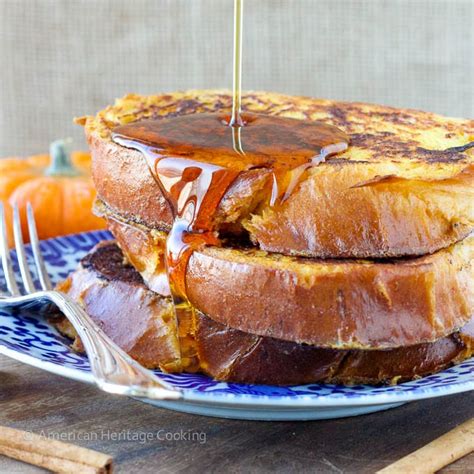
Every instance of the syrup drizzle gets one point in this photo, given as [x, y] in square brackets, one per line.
[195, 158]
[236, 120]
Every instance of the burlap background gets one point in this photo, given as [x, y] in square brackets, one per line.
[61, 58]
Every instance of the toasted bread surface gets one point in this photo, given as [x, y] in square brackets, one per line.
[138, 320]
[142, 323]
[342, 304]
[404, 187]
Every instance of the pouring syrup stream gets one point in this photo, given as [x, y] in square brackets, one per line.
[236, 119]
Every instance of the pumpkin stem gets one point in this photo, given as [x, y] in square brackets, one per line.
[61, 164]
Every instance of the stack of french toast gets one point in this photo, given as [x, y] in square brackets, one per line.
[365, 274]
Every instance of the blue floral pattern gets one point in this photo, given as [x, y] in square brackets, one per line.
[31, 336]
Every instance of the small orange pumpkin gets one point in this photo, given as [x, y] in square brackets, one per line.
[59, 188]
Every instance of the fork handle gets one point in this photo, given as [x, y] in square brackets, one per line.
[114, 371]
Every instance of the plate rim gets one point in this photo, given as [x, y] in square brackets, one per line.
[247, 400]
[300, 401]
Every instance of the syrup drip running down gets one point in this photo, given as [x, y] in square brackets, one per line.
[195, 158]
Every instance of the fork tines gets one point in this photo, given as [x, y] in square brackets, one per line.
[25, 272]
[41, 267]
[12, 287]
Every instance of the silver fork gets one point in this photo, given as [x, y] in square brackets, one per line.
[113, 370]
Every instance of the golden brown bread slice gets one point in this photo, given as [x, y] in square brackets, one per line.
[343, 304]
[139, 321]
[404, 187]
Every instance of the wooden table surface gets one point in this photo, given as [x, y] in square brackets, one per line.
[33, 400]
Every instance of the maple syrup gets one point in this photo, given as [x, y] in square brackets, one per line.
[195, 158]
[235, 120]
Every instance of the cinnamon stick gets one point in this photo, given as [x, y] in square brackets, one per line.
[439, 453]
[52, 454]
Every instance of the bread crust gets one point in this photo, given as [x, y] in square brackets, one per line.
[395, 192]
[342, 304]
[138, 320]
[120, 304]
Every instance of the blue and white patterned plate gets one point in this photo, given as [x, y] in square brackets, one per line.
[30, 339]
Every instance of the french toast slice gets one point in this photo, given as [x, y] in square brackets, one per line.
[342, 304]
[405, 186]
[141, 322]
